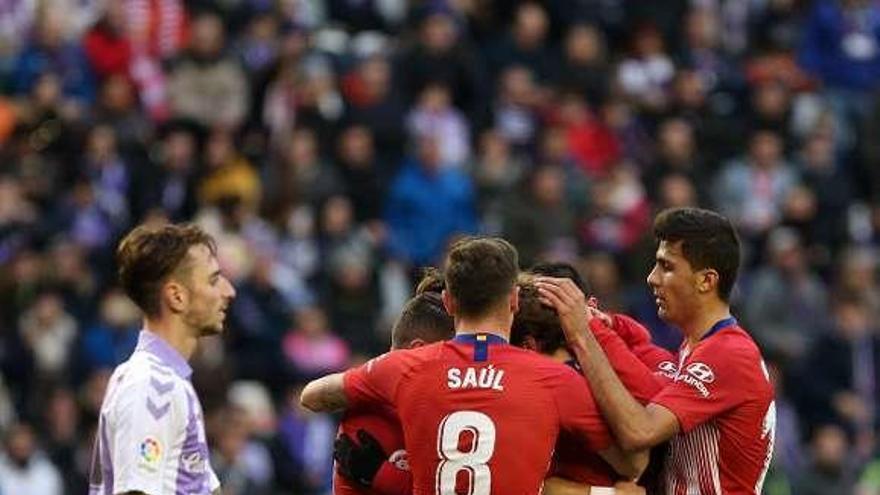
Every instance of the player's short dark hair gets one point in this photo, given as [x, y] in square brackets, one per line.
[536, 320]
[480, 272]
[560, 269]
[709, 240]
[432, 281]
[147, 256]
[423, 317]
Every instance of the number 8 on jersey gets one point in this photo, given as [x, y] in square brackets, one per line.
[474, 461]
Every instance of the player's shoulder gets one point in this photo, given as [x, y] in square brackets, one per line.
[143, 372]
[733, 348]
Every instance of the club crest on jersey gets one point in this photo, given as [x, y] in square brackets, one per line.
[400, 459]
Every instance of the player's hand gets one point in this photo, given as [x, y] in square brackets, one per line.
[570, 304]
[359, 462]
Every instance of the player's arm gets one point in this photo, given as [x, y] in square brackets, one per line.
[638, 340]
[635, 375]
[629, 464]
[635, 426]
[326, 394]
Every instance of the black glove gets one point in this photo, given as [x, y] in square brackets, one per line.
[359, 462]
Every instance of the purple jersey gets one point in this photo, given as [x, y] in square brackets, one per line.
[151, 433]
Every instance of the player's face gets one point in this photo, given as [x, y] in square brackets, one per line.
[674, 284]
[209, 293]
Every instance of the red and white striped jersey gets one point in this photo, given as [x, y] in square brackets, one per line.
[721, 394]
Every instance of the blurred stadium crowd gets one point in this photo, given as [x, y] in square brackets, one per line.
[333, 147]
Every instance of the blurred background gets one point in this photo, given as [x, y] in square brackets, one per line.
[334, 146]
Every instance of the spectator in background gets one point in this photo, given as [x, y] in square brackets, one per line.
[496, 174]
[517, 111]
[168, 184]
[751, 190]
[526, 44]
[540, 221]
[441, 55]
[841, 47]
[434, 116]
[64, 441]
[107, 44]
[310, 346]
[226, 173]
[842, 370]
[24, 468]
[786, 303]
[620, 213]
[593, 145]
[677, 153]
[205, 84]
[112, 337]
[364, 177]
[373, 101]
[644, 76]
[307, 441]
[50, 52]
[585, 65]
[832, 467]
[429, 203]
[48, 332]
[300, 172]
[241, 462]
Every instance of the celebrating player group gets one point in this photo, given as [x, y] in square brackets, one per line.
[503, 382]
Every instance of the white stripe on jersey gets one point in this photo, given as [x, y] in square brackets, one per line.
[693, 460]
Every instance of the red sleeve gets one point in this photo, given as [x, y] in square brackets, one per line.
[578, 412]
[641, 382]
[391, 480]
[638, 339]
[375, 382]
[710, 384]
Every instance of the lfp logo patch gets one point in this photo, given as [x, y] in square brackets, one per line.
[151, 451]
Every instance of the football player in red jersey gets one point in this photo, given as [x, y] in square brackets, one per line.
[376, 463]
[479, 415]
[717, 406]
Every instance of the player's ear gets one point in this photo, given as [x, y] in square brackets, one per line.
[514, 299]
[416, 343]
[707, 280]
[448, 302]
[175, 296]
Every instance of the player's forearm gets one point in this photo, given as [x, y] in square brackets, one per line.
[325, 394]
[628, 419]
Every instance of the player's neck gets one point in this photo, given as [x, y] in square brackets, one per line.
[711, 313]
[490, 325]
[175, 334]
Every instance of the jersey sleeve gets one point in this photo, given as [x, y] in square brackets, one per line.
[638, 339]
[641, 382]
[375, 382]
[714, 380]
[578, 412]
[145, 427]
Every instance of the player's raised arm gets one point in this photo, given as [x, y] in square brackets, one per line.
[325, 394]
[635, 426]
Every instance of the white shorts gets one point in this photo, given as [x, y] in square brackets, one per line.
[602, 490]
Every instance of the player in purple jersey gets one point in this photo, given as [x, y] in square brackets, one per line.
[151, 432]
